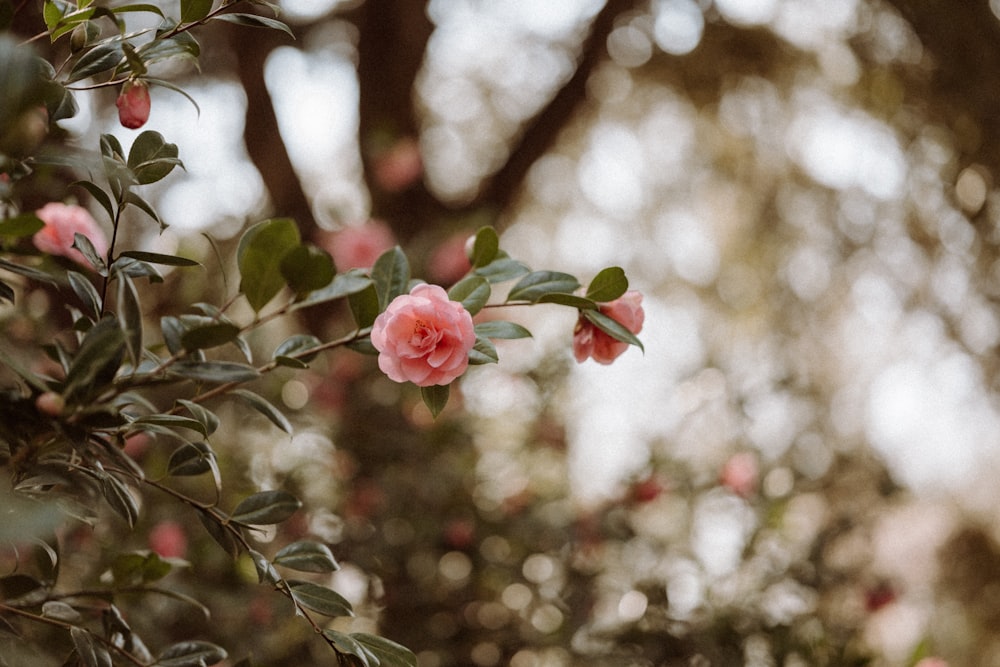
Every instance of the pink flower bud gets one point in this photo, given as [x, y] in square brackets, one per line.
[424, 337]
[400, 166]
[50, 403]
[133, 104]
[168, 539]
[591, 342]
[62, 223]
[358, 246]
[932, 662]
[739, 474]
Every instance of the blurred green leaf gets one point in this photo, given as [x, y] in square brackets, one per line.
[195, 10]
[97, 359]
[263, 406]
[214, 372]
[6, 292]
[138, 567]
[20, 226]
[266, 508]
[60, 611]
[261, 251]
[307, 556]
[501, 329]
[483, 352]
[473, 292]
[208, 419]
[157, 258]
[485, 247]
[87, 293]
[130, 317]
[389, 653]
[320, 599]
[207, 334]
[220, 534]
[191, 654]
[391, 275]
[538, 283]
[255, 21]
[172, 421]
[89, 652]
[119, 498]
[28, 272]
[435, 397]
[294, 351]
[265, 569]
[307, 268]
[612, 328]
[364, 306]
[607, 285]
[343, 285]
[192, 458]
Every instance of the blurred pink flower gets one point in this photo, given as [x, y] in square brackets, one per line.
[62, 221]
[739, 474]
[168, 539]
[133, 104]
[358, 246]
[398, 167]
[424, 337]
[932, 662]
[591, 342]
[450, 260]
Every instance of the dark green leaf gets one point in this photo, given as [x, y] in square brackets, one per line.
[28, 272]
[209, 334]
[221, 534]
[295, 350]
[87, 293]
[182, 45]
[208, 419]
[157, 258]
[60, 611]
[172, 421]
[538, 283]
[133, 267]
[143, 205]
[192, 458]
[364, 306]
[307, 268]
[607, 285]
[119, 498]
[391, 275]
[191, 654]
[266, 508]
[306, 556]
[195, 10]
[261, 251]
[21, 587]
[344, 284]
[84, 245]
[501, 269]
[215, 372]
[572, 300]
[612, 328]
[19, 226]
[483, 352]
[88, 650]
[139, 567]
[6, 292]
[151, 158]
[501, 329]
[347, 645]
[320, 599]
[172, 331]
[97, 360]
[485, 247]
[261, 405]
[265, 569]
[132, 59]
[472, 292]
[101, 58]
[130, 317]
[435, 397]
[254, 21]
[390, 654]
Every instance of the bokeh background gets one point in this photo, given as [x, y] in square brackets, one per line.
[799, 470]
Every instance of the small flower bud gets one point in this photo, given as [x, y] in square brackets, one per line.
[133, 104]
[50, 403]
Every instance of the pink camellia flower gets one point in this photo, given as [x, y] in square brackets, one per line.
[133, 104]
[740, 473]
[62, 222]
[358, 246]
[168, 539]
[591, 342]
[423, 337]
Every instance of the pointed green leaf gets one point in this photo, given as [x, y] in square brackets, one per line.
[307, 268]
[261, 251]
[261, 405]
[130, 317]
[307, 556]
[88, 650]
[208, 334]
[391, 275]
[295, 350]
[195, 10]
[485, 247]
[191, 654]
[571, 300]
[151, 158]
[612, 328]
[97, 360]
[364, 306]
[483, 352]
[220, 534]
[192, 458]
[266, 508]
[87, 293]
[538, 283]
[254, 21]
[501, 269]
[208, 419]
[343, 285]
[320, 599]
[157, 258]
[435, 397]
[265, 569]
[390, 654]
[84, 245]
[347, 645]
[172, 421]
[473, 292]
[501, 329]
[101, 58]
[607, 285]
[214, 372]
[119, 498]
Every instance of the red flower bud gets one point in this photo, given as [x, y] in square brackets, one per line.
[133, 104]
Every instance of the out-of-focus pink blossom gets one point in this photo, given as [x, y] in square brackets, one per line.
[50, 403]
[358, 246]
[450, 260]
[591, 342]
[133, 104]
[62, 222]
[168, 539]
[740, 473]
[424, 337]
[932, 662]
[399, 167]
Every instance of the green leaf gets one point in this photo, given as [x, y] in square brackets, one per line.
[20, 226]
[172, 421]
[132, 59]
[612, 328]
[572, 300]
[261, 251]
[139, 567]
[343, 285]
[435, 397]
[151, 158]
[391, 275]
[261, 405]
[195, 10]
[320, 599]
[51, 14]
[538, 283]
[485, 247]
[97, 360]
[214, 372]
[473, 292]
[501, 329]
[390, 654]
[208, 419]
[209, 334]
[265, 569]
[501, 269]
[307, 556]
[84, 245]
[364, 306]
[28, 272]
[6, 292]
[483, 352]
[347, 645]
[295, 350]
[60, 611]
[101, 58]
[181, 46]
[307, 268]
[88, 650]
[191, 654]
[157, 258]
[254, 21]
[266, 508]
[119, 498]
[220, 533]
[147, 208]
[87, 293]
[192, 458]
[130, 317]
[607, 285]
